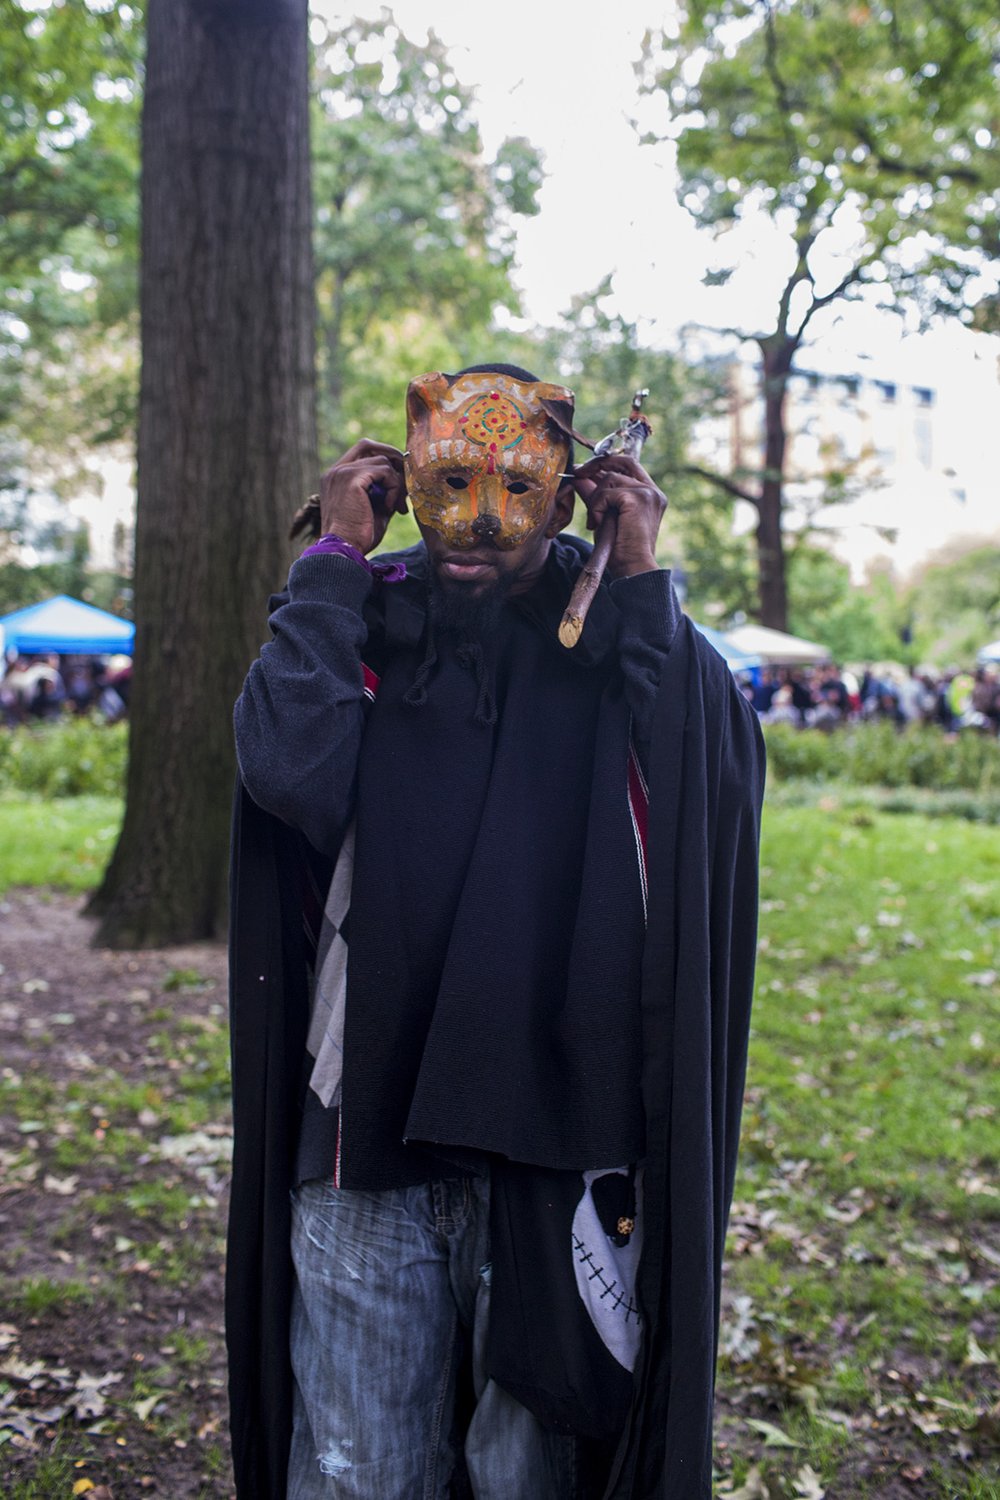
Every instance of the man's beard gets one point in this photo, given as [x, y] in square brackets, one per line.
[470, 613]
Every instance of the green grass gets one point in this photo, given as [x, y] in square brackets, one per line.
[39, 1294]
[866, 1205]
[868, 1184]
[64, 843]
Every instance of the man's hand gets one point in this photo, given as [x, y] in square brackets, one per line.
[614, 482]
[361, 493]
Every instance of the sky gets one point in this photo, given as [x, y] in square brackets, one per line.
[564, 78]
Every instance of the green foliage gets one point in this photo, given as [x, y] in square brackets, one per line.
[955, 604]
[879, 755]
[854, 803]
[414, 228]
[64, 843]
[857, 624]
[869, 137]
[598, 353]
[67, 126]
[71, 757]
[68, 232]
[21, 586]
[873, 127]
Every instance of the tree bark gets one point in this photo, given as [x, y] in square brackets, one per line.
[227, 445]
[772, 583]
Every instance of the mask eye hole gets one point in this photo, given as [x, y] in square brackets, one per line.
[517, 487]
[458, 482]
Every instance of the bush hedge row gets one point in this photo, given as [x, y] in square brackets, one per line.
[70, 758]
[880, 755]
[75, 757]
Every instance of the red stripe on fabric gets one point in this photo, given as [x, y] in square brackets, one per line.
[638, 802]
[639, 798]
[371, 680]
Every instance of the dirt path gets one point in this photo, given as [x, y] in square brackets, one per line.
[114, 1148]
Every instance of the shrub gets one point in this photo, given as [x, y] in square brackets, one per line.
[69, 758]
[880, 755]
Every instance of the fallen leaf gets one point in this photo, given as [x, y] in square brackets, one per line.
[87, 1399]
[143, 1408]
[976, 1355]
[82, 1486]
[63, 1186]
[773, 1436]
[807, 1484]
[19, 1369]
[754, 1487]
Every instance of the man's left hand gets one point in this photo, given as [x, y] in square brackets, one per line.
[614, 482]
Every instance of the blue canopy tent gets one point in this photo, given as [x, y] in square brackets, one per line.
[736, 660]
[67, 626]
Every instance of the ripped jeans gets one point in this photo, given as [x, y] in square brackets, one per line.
[388, 1286]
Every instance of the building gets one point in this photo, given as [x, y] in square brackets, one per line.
[914, 431]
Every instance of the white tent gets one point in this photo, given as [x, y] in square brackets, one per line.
[775, 647]
[989, 653]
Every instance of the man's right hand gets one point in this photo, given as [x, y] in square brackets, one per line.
[361, 493]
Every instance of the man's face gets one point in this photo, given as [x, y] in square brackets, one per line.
[483, 469]
[485, 568]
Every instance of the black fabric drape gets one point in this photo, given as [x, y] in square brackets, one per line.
[706, 791]
[706, 783]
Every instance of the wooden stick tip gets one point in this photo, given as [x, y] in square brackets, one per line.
[570, 630]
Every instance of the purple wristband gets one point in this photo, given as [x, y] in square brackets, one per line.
[335, 546]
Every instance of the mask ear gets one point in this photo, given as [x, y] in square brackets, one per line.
[560, 413]
[422, 394]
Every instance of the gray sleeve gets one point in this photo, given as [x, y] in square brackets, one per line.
[300, 716]
[650, 613]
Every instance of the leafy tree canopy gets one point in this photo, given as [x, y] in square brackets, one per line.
[955, 603]
[68, 236]
[411, 219]
[857, 624]
[868, 132]
[869, 136]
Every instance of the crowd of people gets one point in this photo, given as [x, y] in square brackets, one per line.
[36, 688]
[827, 697]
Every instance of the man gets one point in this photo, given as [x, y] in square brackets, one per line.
[490, 996]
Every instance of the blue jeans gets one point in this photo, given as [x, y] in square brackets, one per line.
[389, 1286]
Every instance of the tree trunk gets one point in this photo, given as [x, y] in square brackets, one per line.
[772, 585]
[226, 446]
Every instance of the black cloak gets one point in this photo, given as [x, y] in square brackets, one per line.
[706, 786]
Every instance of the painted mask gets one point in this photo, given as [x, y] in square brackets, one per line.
[483, 458]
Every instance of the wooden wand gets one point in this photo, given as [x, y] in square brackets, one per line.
[628, 438]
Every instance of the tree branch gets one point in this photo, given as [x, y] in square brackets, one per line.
[780, 88]
[729, 485]
[852, 278]
[922, 171]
